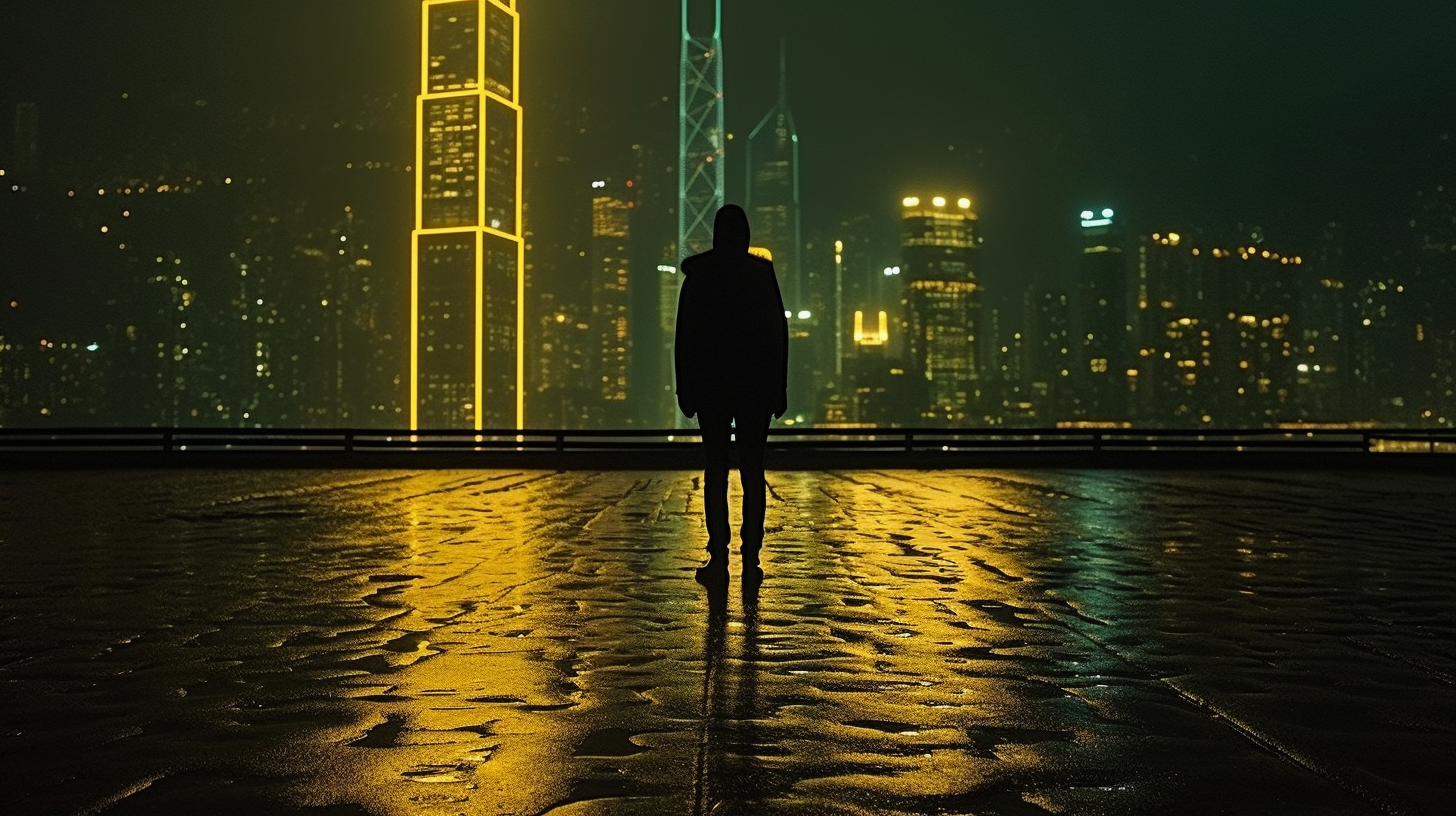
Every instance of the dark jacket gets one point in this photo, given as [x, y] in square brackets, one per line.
[732, 346]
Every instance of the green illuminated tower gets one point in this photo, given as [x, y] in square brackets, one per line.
[467, 289]
[700, 147]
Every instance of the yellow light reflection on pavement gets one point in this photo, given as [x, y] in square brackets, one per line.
[531, 642]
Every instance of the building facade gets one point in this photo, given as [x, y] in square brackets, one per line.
[940, 262]
[467, 286]
[771, 196]
[612, 300]
[1102, 372]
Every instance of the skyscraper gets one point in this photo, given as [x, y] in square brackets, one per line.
[772, 197]
[940, 260]
[1048, 320]
[1105, 357]
[701, 139]
[611, 298]
[467, 290]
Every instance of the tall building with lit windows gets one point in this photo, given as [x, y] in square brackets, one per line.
[940, 263]
[612, 299]
[1101, 377]
[772, 194]
[467, 287]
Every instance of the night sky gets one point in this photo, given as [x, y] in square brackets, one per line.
[1282, 115]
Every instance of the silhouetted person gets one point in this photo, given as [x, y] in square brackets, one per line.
[732, 362]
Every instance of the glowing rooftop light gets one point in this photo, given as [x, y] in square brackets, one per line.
[1107, 213]
[938, 201]
[911, 201]
[964, 203]
[1088, 215]
[805, 314]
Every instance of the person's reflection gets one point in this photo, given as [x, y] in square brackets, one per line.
[747, 774]
[710, 727]
[728, 772]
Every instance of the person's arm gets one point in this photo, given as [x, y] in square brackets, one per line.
[779, 338]
[686, 358]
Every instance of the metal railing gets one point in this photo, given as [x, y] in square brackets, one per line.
[862, 440]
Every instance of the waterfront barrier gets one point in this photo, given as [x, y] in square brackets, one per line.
[789, 448]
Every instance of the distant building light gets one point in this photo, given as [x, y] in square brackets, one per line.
[911, 201]
[964, 203]
[891, 271]
[93, 347]
[1095, 222]
[1107, 213]
[597, 185]
[667, 269]
[938, 201]
[1303, 368]
[805, 314]
[1088, 215]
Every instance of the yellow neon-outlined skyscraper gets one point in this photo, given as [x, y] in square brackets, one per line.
[467, 291]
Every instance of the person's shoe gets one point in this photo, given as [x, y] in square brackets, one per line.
[752, 575]
[714, 572]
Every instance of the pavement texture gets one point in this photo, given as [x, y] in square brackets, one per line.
[950, 642]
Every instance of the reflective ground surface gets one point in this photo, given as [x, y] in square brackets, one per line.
[523, 643]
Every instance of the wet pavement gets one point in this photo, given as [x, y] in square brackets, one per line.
[952, 642]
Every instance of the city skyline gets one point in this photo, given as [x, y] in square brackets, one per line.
[591, 129]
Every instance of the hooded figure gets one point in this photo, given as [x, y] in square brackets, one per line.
[732, 363]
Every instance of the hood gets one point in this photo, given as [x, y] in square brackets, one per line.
[730, 230]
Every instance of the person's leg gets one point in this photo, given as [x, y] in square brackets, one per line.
[752, 432]
[715, 430]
